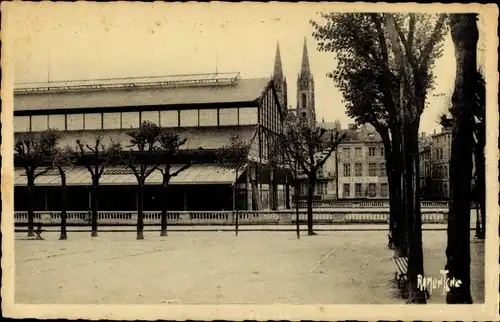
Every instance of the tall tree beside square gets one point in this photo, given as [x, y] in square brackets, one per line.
[95, 157]
[143, 145]
[310, 147]
[34, 151]
[234, 156]
[169, 147]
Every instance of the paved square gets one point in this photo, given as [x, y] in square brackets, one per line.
[334, 267]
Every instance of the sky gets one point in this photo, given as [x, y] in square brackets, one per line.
[66, 41]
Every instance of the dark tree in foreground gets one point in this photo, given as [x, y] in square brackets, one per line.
[464, 33]
[479, 187]
[96, 158]
[33, 151]
[234, 156]
[143, 145]
[385, 72]
[310, 148]
[64, 160]
[169, 146]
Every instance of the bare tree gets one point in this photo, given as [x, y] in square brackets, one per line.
[234, 156]
[64, 160]
[143, 144]
[310, 148]
[170, 144]
[34, 150]
[96, 158]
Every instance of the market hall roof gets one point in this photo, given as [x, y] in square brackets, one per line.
[122, 175]
[208, 138]
[133, 92]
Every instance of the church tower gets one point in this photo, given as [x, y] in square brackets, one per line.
[280, 80]
[305, 90]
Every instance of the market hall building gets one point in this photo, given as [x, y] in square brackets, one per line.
[204, 109]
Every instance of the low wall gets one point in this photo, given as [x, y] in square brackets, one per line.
[367, 204]
[285, 217]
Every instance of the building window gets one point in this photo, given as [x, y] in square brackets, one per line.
[382, 151]
[249, 116]
[346, 152]
[372, 169]
[383, 170]
[358, 169]
[130, 120]
[384, 189]
[304, 100]
[326, 188]
[347, 169]
[151, 116]
[372, 190]
[111, 121]
[347, 190]
[358, 190]
[371, 151]
[357, 152]
[39, 123]
[74, 121]
[445, 172]
[93, 121]
[189, 118]
[208, 117]
[169, 118]
[21, 123]
[57, 122]
[229, 116]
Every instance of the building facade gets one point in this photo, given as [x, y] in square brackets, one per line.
[361, 165]
[204, 109]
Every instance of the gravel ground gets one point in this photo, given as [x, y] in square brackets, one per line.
[334, 267]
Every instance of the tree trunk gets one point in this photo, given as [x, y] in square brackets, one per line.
[140, 210]
[464, 34]
[395, 179]
[287, 193]
[310, 194]
[481, 188]
[94, 205]
[164, 207]
[63, 235]
[31, 200]
[413, 218]
[297, 216]
[235, 214]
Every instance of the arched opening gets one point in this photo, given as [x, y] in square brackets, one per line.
[304, 101]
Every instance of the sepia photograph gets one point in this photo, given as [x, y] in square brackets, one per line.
[250, 161]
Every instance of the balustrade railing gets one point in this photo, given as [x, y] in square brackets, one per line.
[368, 204]
[245, 217]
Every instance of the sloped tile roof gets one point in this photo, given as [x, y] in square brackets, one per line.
[78, 176]
[244, 90]
[205, 137]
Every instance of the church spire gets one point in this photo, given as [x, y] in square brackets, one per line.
[305, 72]
[278, 69]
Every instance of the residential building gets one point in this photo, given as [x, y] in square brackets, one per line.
[361, 165]
[427, 187]
[440, 160]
